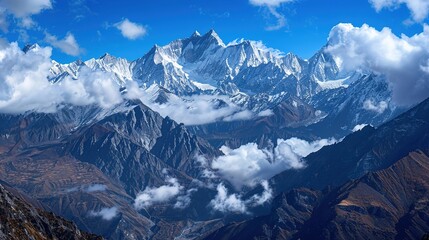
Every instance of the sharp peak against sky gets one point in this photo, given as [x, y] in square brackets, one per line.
[87, 28]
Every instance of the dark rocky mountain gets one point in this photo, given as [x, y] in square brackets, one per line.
[373, 184]
[361, 152]
[388, 204]
[20, 220]
[111, 151]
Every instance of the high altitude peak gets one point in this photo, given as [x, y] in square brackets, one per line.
[213, 35]
[196, 34]
[106, 56]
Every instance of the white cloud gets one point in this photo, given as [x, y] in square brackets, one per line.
[248, 165]
[375, 107]
[191, 110]
[67, 45]
[183, 201]
[23, 80]
[403, 60]
[96, 188]
[266, 113]
[160, 194]
[419, 8]
[224, 202]
[105, 213]
[130, 30]
[264, 197]
[272, 6]
[271, 3]
[359, 127]
[22, 10]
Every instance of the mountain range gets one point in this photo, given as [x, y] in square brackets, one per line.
[225, 141]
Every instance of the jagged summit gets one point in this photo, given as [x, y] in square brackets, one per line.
[196, 34]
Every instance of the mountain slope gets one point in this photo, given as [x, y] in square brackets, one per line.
[20, 220]
[388, 204]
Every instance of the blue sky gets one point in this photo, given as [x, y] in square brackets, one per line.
[93, 23]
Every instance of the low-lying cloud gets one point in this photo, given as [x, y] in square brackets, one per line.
[95, 188]
[225, 202]
[403, 60]
[248, 165]
[105, 213]
[192, 110]
[161, 194]
[374, 106]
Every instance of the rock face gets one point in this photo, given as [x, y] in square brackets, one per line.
[20, 220]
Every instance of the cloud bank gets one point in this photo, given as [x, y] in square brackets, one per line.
[23, 80]
[419, 8]
[191, 110]
[403, 60]
[248, 165]
[130, 29]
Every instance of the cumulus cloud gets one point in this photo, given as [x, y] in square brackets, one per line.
[419, 8]
[105, 213]
[225, 202]
[370, 105]
[130, 29]
[272, 6]
[248, 165]
[23, 79]
[154, 195]
[403, 60]
[67, 45]
[22, 10]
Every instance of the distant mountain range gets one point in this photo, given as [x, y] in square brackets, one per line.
[151, 167]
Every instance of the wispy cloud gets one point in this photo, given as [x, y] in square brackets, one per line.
[272, 6]
[380, 107]
[419, 8]
[22, 10]
[67, 45]
[105, 213]
[130, 29]
[191, 110]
